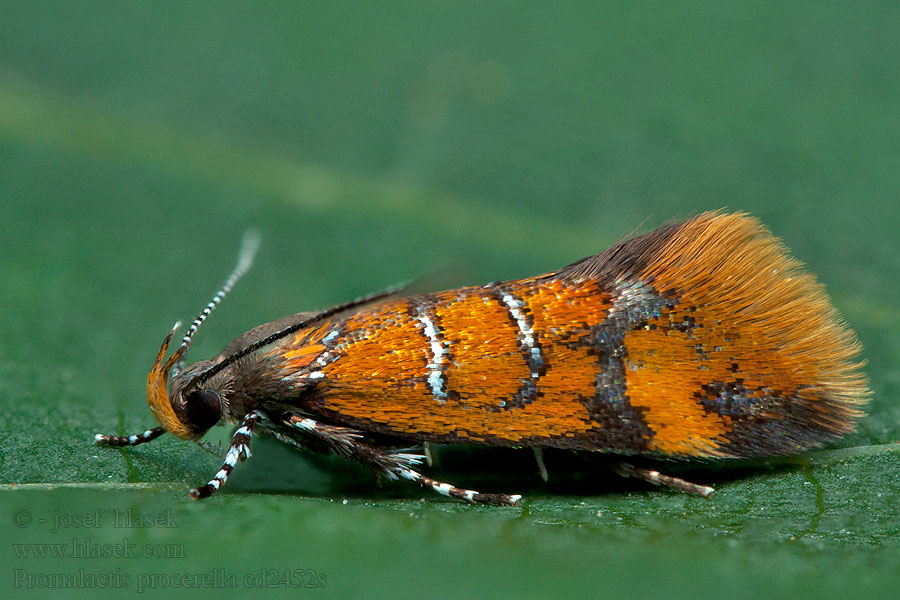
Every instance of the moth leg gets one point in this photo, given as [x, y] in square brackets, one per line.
[129, 440]
[238, 450]
[542, 468]
[454, 492]
[394, 465]
[656, 478]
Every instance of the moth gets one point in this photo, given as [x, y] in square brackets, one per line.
[702, 339]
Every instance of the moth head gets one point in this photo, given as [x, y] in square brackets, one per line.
[185, 411]
[184, 408]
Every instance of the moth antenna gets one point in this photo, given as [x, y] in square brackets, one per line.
[178, 368]
[249, 246]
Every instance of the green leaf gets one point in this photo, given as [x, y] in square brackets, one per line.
[371, 146]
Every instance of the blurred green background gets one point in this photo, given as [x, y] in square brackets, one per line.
[375, 143]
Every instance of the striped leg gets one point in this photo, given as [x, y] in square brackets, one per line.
[129, 440]
[239, 450]
[454, 492]
[347, 443]
[657, 478]
[394, 465]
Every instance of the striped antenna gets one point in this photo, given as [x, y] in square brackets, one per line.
[249, 246]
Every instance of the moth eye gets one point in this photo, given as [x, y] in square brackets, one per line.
[203, 409]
